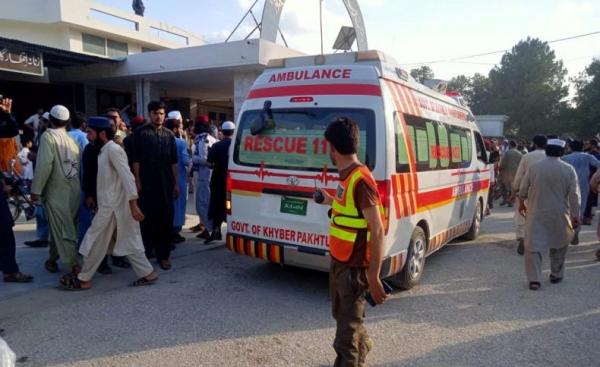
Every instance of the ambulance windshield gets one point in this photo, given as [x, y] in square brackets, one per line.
[294, 138]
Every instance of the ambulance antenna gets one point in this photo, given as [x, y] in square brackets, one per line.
[321, 22]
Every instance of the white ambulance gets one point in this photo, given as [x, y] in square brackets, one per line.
[423, 147]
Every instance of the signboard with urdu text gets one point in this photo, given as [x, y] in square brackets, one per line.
[24, 62]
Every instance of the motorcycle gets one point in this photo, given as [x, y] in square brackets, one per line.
[19, 198]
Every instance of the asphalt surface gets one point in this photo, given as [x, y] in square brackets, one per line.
[214, 308]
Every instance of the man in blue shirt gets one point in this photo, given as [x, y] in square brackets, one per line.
[581, 162]
[76, 133]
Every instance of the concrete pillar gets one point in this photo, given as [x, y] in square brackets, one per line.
[242, 82]
[90, 99]
[145, 91]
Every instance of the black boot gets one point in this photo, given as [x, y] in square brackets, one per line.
[521, 246]
[214, 236]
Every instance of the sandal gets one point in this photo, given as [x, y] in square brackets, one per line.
[165, 264]
[143, 281]
[534, 286]
[70, 282]
[18, 278]
[120, 262]
[554, 279]
[51, 266]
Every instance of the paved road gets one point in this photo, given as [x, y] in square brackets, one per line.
[214, 308]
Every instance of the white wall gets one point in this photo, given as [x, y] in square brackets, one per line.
[51, 35]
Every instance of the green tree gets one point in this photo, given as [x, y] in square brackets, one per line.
[587, 100]
[460, 84]
[528, 86]
[478, 96]
[421, 74]
[475, 91]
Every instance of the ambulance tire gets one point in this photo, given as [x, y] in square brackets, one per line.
[476, 224]
[415, 262]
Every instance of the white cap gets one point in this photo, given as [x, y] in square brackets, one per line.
[175, 115]
[557, 142]
[60, 112]
[228, 125]
[46, 115]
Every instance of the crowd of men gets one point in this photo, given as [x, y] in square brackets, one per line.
[110, 190]
[122, 190]
[556, 183]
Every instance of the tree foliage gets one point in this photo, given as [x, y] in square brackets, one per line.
[421, 74]
[528, 86]
[587, 100]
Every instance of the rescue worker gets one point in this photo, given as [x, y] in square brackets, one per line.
[552, 212]
[202, 144]
[355, 243]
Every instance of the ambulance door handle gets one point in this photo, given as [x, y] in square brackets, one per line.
[282, 192]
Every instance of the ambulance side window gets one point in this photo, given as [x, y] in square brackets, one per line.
[402, 162]
[432, 145]
[444, 146]
[455, 149]
[481, 153]
[424, 142]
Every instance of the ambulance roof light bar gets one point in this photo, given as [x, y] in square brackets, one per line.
[370, 55]
[276, 63]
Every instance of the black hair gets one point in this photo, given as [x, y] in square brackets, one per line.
[343, 134]
[554, 151]
[78, 120]
[58, 123]
[201, 127]
[25, 140]
[512, 144]
[110, 132]
[172, 124]
[112, 109]
[156, 105]
[540, 141]
[576, 145]
[227, 132]
[594, 142]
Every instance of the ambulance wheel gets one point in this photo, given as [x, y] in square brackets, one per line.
[415, 262]
[476, 224]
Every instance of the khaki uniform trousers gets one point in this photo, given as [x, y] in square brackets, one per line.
[347, 287]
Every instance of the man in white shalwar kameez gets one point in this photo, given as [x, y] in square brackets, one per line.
[552, 212]
[117, 210]
[528, 159]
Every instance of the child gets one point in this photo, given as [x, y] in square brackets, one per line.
[25, 162]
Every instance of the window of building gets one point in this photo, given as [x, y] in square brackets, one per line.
[94, 44]
[104, 47]
[116, 49]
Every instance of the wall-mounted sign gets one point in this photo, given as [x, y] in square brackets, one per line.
[24, 62]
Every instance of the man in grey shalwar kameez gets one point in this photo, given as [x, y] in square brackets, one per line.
[553, 202]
